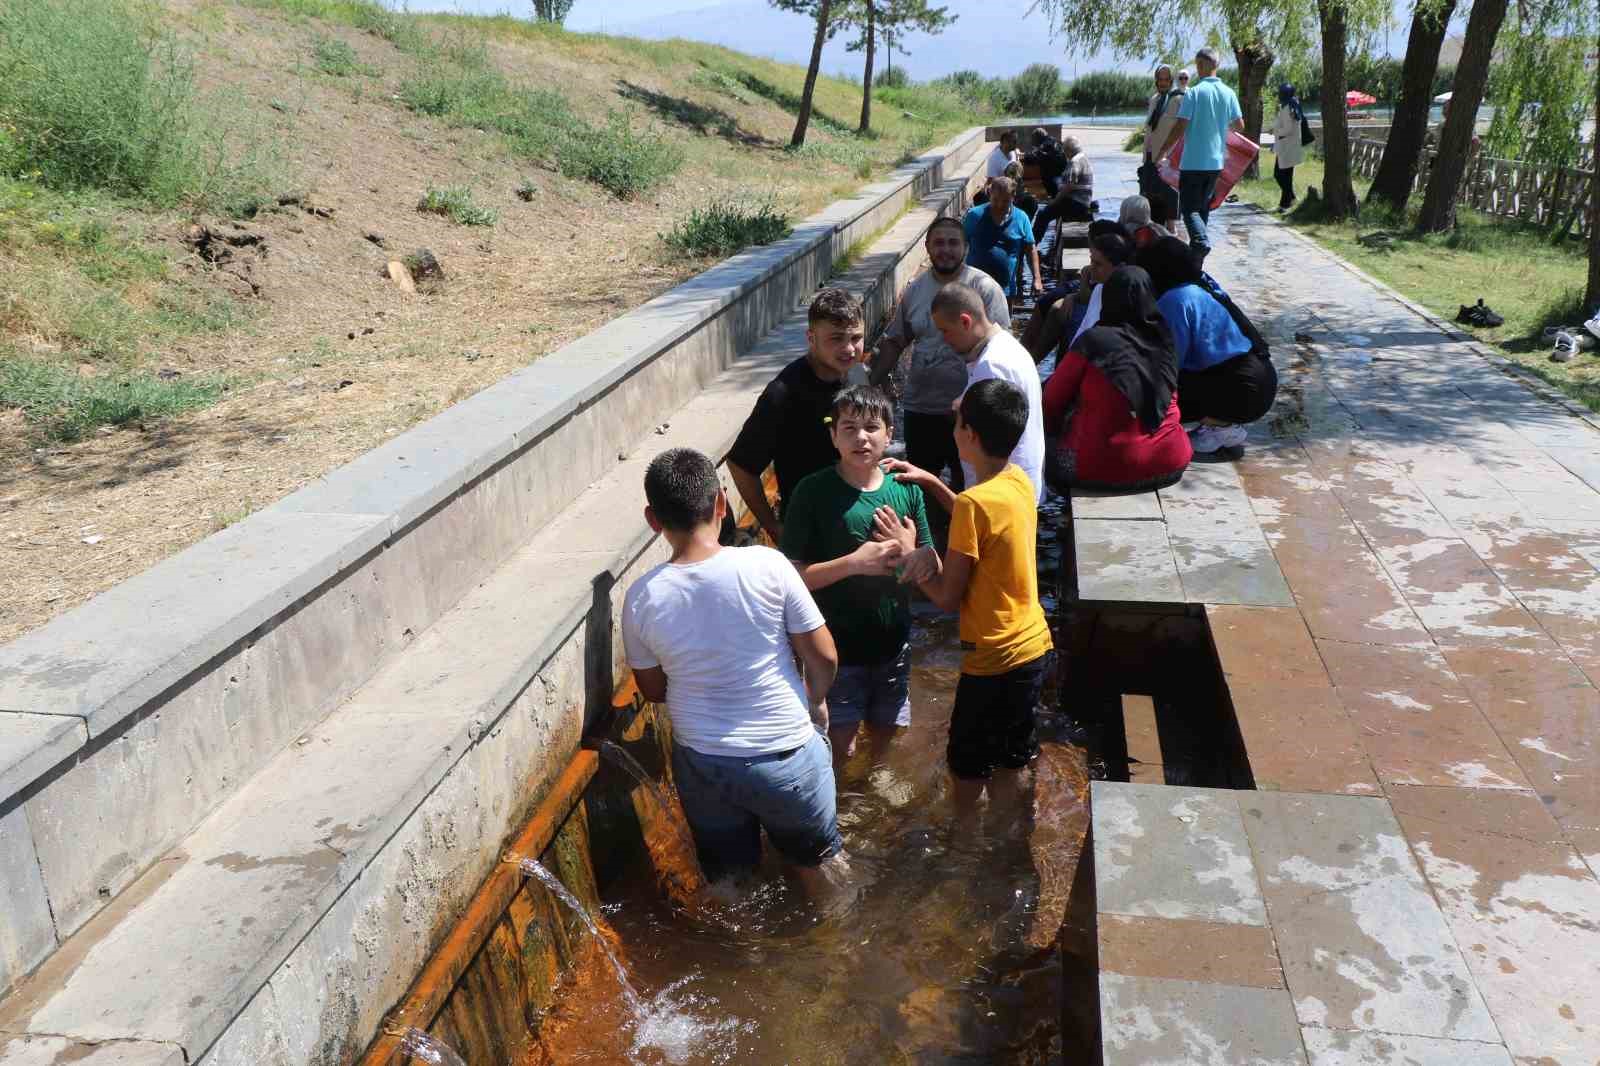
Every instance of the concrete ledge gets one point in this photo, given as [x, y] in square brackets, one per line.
[282, 929]
[182, 683]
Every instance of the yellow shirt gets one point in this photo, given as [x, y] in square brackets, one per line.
[996, 522]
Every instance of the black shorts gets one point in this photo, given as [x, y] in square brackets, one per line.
[991, 725]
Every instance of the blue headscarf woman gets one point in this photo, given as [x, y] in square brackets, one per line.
[1288, 146]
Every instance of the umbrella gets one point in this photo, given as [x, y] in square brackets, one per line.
[1357, 98]
[1443, 98]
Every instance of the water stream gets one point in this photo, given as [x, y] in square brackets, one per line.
[533, 868]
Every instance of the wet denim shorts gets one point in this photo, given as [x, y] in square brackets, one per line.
[878, 694]
[729, 799]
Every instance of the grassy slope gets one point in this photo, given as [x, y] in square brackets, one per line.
[1514, 268]
[328, 359]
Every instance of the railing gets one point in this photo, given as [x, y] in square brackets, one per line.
[1506, 188]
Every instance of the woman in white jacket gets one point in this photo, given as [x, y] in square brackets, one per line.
[1286, 144]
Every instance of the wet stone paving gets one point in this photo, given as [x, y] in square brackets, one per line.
[1402, 581]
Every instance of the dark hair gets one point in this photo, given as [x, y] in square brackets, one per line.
[681, 487]
[1006, 135]
[862, 400]
[1160, 211]
[997, 412]
[1170, 263]
[1107, 227]
[958, 299]
[836, 306]
[947, 222]
[1115, 248]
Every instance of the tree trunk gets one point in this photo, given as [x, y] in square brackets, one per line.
[1255, 61]
[1397, 172]
[866, 78]
[1591, 294]
[804, 118]
[1337, 191]
[1455, 141]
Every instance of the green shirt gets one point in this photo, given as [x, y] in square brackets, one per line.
[869, 617]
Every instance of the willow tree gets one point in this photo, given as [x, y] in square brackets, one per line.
[1257, 31]
[1455, 139]
[821, 11]
[1408, 131]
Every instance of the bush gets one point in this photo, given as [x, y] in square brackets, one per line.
[1036, 91]
[96, 94]
[891, 78]
[455, 203]
[845, 151]
[620, 159]
[67, 406]
[1109, 90]
[726, 227]
[975, 91]
[335, 58]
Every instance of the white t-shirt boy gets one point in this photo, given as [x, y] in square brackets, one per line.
[720, 629]
[1005, 358]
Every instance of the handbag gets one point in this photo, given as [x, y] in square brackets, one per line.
[1306, 136]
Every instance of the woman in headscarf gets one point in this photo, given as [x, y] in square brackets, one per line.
[1111, 407]
[1287, 147]
[1225, 372]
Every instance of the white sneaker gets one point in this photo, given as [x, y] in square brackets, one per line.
[1208, 439]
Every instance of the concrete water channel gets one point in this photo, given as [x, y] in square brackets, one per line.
[257, 802]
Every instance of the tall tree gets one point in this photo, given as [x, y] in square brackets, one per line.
[1337, 189]
[1591, 293]
[821, 11]
[1397, 171]
[1255, 57]
[552, 10]
[1455, 141]
[888, 21]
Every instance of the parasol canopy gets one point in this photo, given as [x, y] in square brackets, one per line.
[1357, 98]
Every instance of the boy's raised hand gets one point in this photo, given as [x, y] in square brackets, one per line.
[906, 473]
[888, 525]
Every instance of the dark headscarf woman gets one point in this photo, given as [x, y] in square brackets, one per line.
[1111, 405]
[1225, 372]
[1288, 143]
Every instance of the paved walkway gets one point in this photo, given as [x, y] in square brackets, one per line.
[1408, 618]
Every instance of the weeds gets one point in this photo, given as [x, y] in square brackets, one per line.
[66, 406]
[98, 94]
[455, 203]
[620, 159]
[725, 227]
[721, 82]
[335, 58]
[846, 151]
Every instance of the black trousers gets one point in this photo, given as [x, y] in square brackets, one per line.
[1285, 176]
[1237, 391]
[931, 445]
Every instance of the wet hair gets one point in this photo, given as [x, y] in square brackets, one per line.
[862, 400]
[681, 487]
[997, 411]
[1115, 247]
[1170, 263]
[946, 222]
[958, 299]
[836, 306]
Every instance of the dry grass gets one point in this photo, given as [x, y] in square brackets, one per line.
[328, 359]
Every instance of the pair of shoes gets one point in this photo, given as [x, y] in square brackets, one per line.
[1479, 314]
[1205, 439]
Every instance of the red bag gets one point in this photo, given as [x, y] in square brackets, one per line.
[1241, 152]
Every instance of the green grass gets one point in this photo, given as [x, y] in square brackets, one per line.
[99, 94]
[1517, 269]
[64, 405]
[455, 202]
[725, 227]
[336, 58]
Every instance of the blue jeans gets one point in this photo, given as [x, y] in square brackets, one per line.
[1195, 189]
[878, 694]
[729, 799]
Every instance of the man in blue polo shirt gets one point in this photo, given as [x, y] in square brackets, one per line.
[1209, 110]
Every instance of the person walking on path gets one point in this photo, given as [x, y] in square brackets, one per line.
[1288, 147]
[1162, 112]
[937, 374]
[1209, 110]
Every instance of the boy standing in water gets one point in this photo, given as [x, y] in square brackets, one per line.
[990, 575]
[788, 427]
[828, 533]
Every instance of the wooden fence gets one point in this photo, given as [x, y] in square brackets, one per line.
[1541, 195]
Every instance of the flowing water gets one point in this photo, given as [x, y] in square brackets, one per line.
[929, 961]
[424, 1048]
[533, 868]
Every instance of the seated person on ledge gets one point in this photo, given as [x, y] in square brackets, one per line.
[1111, 407]
[1225, 373]
[998, 235]
[1074, 198]
[1135, 214]
[1054, 323]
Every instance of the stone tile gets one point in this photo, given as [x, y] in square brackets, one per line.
[30, 744]
[1524, 908]
[1126, 561]
[1561, 506]
[1555, 737]
[1363, 943]
[1456, 596]
[1144, 506]
[1146, 1021]
[1301, 740]
[1213, 952]
[58, 1051]
[1286, 489]
[27, 931]
[1227, 517]
[1415, 720]
[1340, 586]
[1172, 853]
[1340, 1047]
[1218, 570]
[1265, 646]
